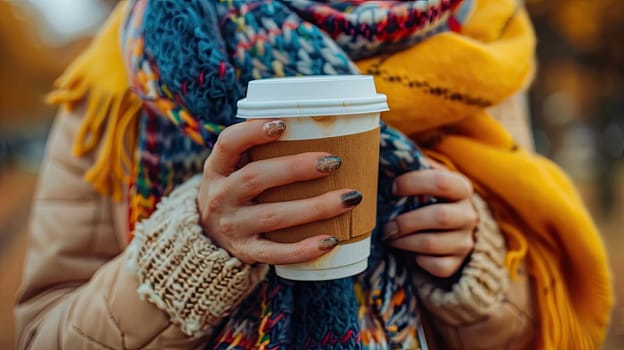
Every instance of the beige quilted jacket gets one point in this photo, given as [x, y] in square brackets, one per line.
[84, 288]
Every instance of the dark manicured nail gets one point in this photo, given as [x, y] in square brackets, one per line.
[328, 243]
[327, 164]
[390, 230]
[274, 128]
[351, 199]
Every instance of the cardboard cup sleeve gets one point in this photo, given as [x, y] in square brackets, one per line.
[359, 171]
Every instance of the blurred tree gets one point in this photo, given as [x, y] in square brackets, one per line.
[581, 57]
[27, 66]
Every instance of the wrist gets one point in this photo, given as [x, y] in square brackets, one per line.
[181, 271]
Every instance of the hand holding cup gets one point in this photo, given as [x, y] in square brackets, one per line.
[229, 216]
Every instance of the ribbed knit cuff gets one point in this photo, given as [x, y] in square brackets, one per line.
[483, 282]
[181, 271]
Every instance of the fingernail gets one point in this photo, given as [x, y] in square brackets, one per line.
[327, 164]
[274, 128]
[351, 199]
[328, 243]
[395, 188]
[390, 230]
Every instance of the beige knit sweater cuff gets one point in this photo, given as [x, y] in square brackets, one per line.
[181, 271]
[483, 283]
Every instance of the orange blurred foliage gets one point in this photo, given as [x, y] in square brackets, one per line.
[27, 66]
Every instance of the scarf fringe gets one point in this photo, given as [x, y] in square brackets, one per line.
[557, 330]
[110, 122]
[517, 247]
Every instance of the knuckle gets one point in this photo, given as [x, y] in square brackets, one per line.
[269, 219]
[225, 227]
[223, 143]
[209, 173]
[442, 216]
[427, 243]
[227, 187]
[249, 178]
[210, 202]
[441, 180]
[215, 201]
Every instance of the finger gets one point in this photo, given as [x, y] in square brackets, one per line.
[238, 138]
[441, 216]
[274, 216]
[255, 177]
[435, 182]
[456, 243]
[440, 266]
[269, 252]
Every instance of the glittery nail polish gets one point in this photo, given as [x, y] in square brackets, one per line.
[328, 243]
[327, 164]
[274, 128]
[351, 199]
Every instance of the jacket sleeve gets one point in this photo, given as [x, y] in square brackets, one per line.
[484, 308]
[78, 291]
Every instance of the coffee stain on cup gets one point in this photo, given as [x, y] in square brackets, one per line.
[325, 123]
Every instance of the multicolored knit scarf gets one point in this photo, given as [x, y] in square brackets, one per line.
[191, 61]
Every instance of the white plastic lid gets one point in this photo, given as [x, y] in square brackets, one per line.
[311, 96]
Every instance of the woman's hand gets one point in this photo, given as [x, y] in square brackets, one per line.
[441, 235]
[225, 199]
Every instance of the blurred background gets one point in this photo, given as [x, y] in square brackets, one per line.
[576, 105]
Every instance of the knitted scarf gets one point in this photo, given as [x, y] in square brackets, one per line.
[188, 62]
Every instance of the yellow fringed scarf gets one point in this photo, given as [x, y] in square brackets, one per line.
[437, 91]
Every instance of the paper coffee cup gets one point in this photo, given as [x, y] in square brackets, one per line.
[334, 114]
